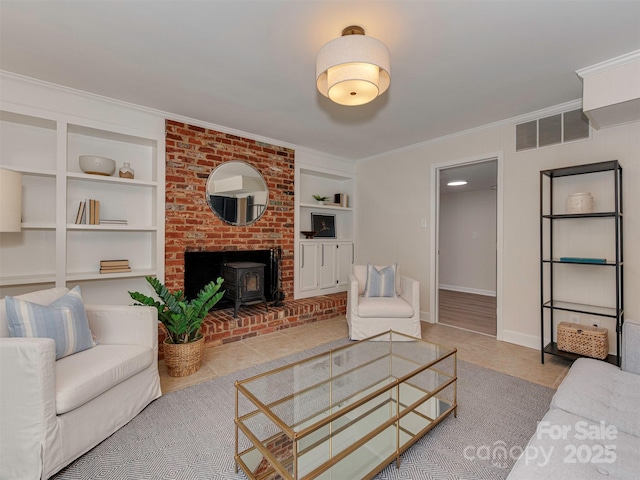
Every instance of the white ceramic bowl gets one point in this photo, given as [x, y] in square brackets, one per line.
[97, 165]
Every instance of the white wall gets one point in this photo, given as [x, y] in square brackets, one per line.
[468, 241]
[393, 200]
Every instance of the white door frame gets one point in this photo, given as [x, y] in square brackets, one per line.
[434, 234]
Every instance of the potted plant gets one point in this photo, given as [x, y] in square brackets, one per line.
[320, 199]
[182, 320]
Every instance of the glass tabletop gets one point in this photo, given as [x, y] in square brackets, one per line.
[293, 395]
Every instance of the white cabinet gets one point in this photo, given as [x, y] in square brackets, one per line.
[308, 271]
[345, 258]
[323, 264]
[328, 267]
[51, 250]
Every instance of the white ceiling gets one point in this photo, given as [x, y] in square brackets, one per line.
[250, 65]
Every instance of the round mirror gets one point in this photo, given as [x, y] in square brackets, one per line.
[237, 193]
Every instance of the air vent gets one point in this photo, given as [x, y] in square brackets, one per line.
[554, 130]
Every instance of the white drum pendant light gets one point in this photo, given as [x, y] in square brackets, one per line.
[353, 69]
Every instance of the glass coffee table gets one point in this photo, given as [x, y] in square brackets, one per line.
[346, 413]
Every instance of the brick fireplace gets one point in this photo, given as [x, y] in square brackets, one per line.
[192, 152]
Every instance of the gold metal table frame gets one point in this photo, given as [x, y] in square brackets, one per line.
[345, 413]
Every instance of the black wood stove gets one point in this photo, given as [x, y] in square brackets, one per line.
[244, 284]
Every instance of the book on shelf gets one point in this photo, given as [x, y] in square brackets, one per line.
[94, 212]
[583, 260]
[80, 216]
[114, 263]
[115, 270]
[341, 199]
[88, 212]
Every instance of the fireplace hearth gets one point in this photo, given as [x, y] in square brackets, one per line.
[202, 267]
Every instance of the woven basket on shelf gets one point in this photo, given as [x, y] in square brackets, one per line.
[583, 339]
[183, 359]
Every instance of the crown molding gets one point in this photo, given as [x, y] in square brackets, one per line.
[167, 115]
[609, 64]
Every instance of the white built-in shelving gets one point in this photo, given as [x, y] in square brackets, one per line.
[51, 249]
[323, 264]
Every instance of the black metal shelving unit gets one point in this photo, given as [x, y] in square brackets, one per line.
[550, 304]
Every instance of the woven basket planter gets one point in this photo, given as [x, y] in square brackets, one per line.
[183, 359]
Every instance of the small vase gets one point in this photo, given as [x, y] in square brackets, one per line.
[126, 171]
[580, 202]
[320, 202]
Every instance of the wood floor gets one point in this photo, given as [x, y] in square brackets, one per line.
[467, 310]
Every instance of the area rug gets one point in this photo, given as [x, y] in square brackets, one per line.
[189, 434]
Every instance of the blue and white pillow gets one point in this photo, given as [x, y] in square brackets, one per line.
[381, 281]
[64, 320]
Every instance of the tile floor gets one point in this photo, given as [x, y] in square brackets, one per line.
[472, 347]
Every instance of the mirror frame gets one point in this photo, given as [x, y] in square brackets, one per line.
[219, 205]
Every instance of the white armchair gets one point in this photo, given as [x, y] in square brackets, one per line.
[368, 316]
[51, 412]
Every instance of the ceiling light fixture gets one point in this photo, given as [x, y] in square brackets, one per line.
[353, 69]
[456, 183]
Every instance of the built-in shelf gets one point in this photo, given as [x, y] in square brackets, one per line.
[322, 264]
[114, 180]
[324, 240]
[38, 172]
[325, 207]
[76, 277]
[38, 226]
[28, 279]
[46, 151]
[114, 228]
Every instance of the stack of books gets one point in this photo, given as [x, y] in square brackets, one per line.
[114, 266]
[341, 199]
[88, 212]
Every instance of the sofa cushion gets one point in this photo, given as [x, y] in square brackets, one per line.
[360, 273]
[64, 320]
[41, 297]
[631, 346]
[613, 398]
[85, 375]
[381, 281]
[584, 452]
[387, 307]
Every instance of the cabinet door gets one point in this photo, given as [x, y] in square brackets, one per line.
[327, 262]
[309, 255]
[345, 257]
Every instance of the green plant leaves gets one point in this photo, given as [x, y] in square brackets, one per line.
[182, 318]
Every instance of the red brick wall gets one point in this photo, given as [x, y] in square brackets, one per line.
[192, 153]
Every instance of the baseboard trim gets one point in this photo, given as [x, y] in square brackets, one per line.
[522, 339]
[424, 317]
[476, 291]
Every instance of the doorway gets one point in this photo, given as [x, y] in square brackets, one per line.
[466, 247]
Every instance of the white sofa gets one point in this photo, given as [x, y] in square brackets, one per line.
[592, 429]
[368, 316]
[51, 412]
